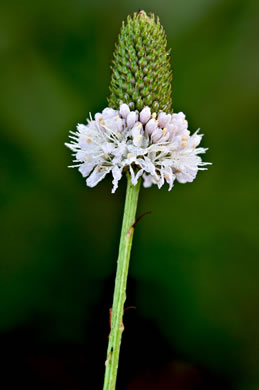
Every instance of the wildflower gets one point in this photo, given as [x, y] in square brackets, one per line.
[139, 134]
[159, 150]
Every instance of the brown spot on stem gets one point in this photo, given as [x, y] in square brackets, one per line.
[108, 357]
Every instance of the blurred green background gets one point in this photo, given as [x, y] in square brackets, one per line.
[194, 274]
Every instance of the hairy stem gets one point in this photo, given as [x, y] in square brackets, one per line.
[119, 297]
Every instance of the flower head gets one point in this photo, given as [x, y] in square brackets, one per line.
[157, 147]
[138, 131]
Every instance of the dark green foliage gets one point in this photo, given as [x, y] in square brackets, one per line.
[141, 70]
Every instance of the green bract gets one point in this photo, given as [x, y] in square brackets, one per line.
[141, 71]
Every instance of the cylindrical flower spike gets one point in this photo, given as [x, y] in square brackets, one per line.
[141, 70]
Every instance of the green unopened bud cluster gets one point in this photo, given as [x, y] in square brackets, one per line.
[141, 70]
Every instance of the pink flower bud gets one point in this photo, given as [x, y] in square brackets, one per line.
[98, 116]
[109, 113]
[163, 119]
[151, 126]
[145, 115]
[124, 110]
[132, 119]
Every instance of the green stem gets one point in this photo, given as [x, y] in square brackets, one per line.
[119, 297]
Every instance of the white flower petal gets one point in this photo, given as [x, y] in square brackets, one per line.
[86, 168]
[96, 176]
[187, 175]
[148, 180]
[116, 173]
[169, 177]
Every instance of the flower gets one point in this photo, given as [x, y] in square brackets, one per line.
[157, 147]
